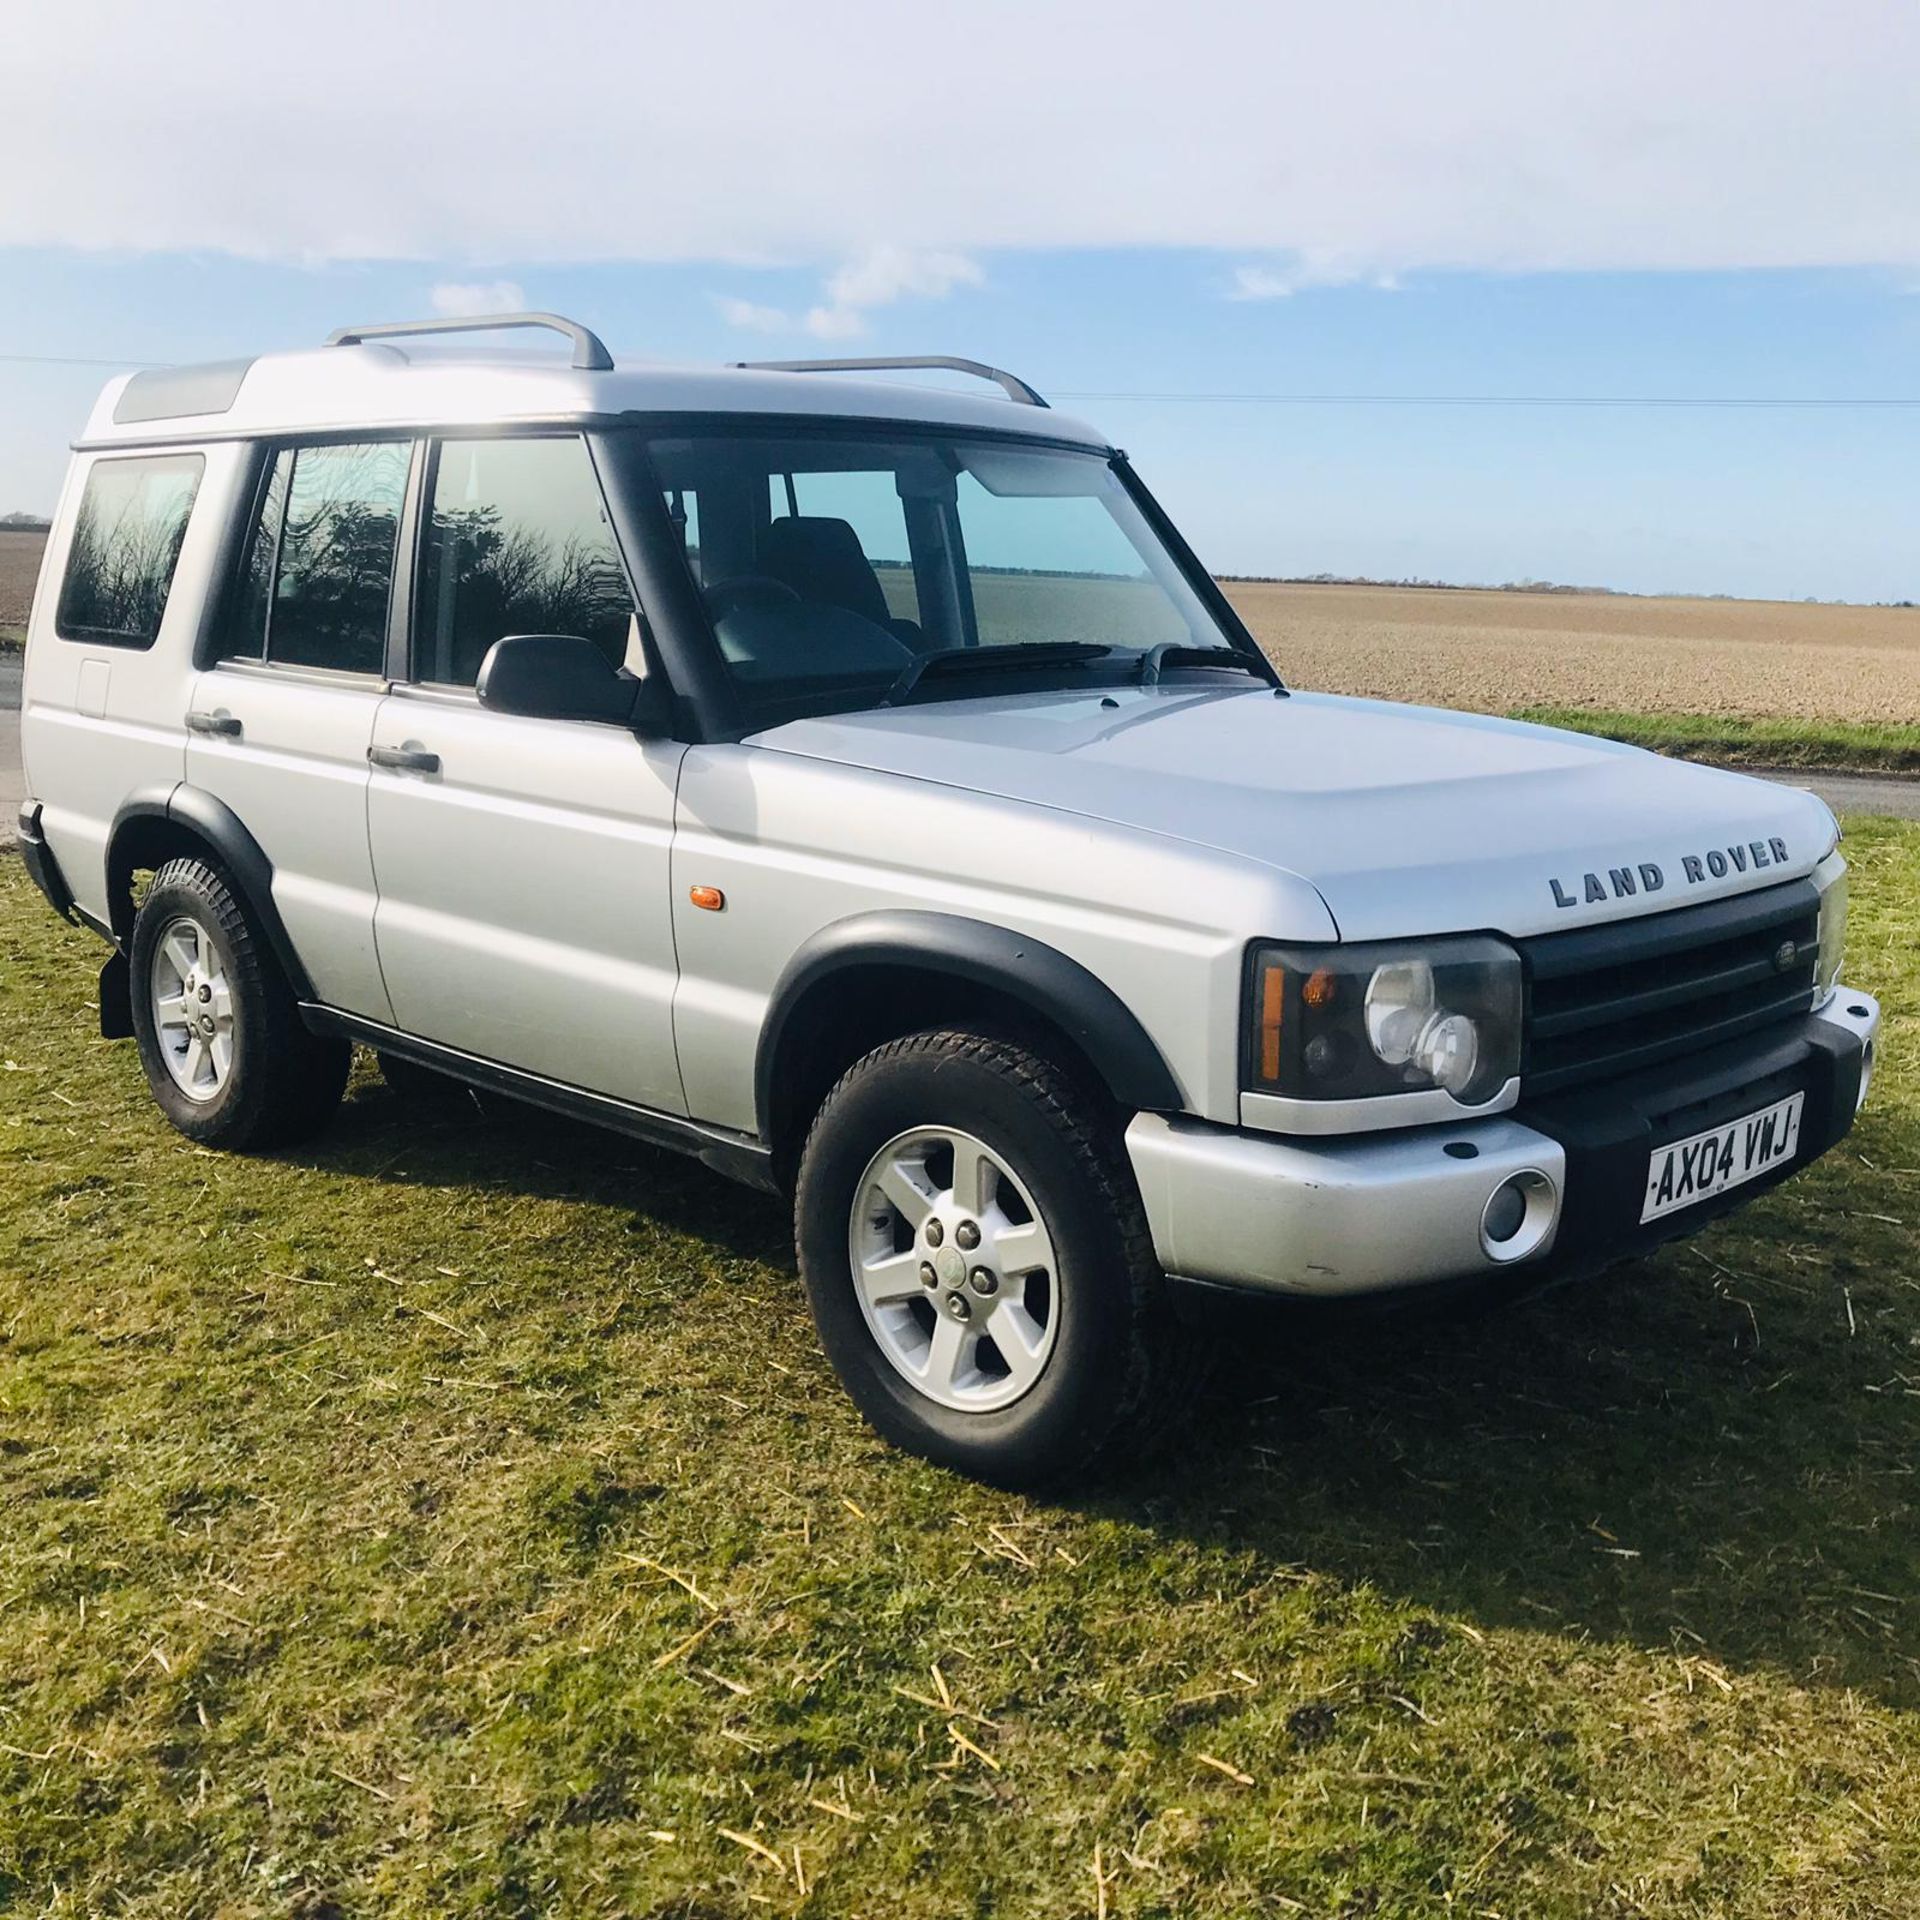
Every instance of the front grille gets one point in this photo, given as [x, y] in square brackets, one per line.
[1608, 1000]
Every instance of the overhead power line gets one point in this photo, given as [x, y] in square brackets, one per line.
[1655, 400]
[70, 360]
[1480, 399]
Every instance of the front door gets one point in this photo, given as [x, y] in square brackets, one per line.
[523, 864]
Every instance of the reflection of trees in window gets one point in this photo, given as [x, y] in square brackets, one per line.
[336, 557]
[517, 542]
[126, 543]
[518, 579]
[246, 637]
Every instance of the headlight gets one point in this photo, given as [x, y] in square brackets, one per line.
[1355, 1022]
[1833, 937]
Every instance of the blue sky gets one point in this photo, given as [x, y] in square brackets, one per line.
[1688, 200]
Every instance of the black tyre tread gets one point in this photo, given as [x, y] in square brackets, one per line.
[294, 1078]
[1167, 1359]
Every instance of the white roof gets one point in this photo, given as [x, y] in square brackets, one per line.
[385, 385]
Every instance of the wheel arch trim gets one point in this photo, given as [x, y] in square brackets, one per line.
[211, 821]
[1048, 982]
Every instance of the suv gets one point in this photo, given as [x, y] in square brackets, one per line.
[863, 788]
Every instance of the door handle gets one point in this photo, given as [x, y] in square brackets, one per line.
[222, 724]
[404, 759]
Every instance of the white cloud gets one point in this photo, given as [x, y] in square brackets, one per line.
[469, 299]
[886, 274]
[1501, 135]
[1280, 281]
[1261, 283]
[835, 323]
[752, 316]
[878, 278]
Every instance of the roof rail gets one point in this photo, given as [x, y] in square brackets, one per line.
[589, 351]
[1010, 384]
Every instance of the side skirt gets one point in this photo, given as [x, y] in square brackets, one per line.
[737, 1155]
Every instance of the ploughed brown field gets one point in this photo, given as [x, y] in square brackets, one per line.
[1492, 652]
[19, 567]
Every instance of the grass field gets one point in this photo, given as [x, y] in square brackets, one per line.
[1735, 740]
[455, 1517]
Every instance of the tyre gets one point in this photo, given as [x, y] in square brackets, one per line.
[978, 1262]
[219, 1034]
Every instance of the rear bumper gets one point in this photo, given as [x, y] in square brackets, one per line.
[1377, 1213]
[42, 869]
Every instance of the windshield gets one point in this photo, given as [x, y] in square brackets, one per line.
[838, 572]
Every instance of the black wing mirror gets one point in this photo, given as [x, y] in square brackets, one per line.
[555, 676]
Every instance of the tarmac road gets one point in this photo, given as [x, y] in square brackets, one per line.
[1894, 793]
[1843, 792]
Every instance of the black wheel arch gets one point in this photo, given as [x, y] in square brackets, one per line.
[158, 824]
[1055, 991]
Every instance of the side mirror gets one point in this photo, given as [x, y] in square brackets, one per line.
[554, 676]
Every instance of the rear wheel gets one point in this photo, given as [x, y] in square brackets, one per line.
[978, 1261]
[219, 1033]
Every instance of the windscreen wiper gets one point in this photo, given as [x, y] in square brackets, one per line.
[1015, 654]
[1181, 653]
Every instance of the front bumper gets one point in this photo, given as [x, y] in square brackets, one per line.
[1378, 1212]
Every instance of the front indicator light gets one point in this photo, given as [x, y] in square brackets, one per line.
[1272, 1009]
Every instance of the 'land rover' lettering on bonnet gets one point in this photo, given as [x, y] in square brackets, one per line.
[1648, 876]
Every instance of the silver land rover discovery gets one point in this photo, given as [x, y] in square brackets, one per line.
[861, 786]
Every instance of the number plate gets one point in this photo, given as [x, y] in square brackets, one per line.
[1707, 1163]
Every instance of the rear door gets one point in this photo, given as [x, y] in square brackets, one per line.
[523, 864]
[280, 725]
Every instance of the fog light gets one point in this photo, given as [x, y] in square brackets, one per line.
[1866, 1076]
[1506, 1212]
[1518, 1216]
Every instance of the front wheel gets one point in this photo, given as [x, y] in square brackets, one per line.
[978, 1261]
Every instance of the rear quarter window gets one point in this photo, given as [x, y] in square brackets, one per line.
[126, 542]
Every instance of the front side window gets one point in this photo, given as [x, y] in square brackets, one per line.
[517, 541]
[126, 542]
[838, 572]
[318, 572]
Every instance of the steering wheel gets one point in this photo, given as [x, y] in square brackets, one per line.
[748, 589]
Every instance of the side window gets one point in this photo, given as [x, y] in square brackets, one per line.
[246, 627]
[126, 541]
[319, 566]
[517, 541]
